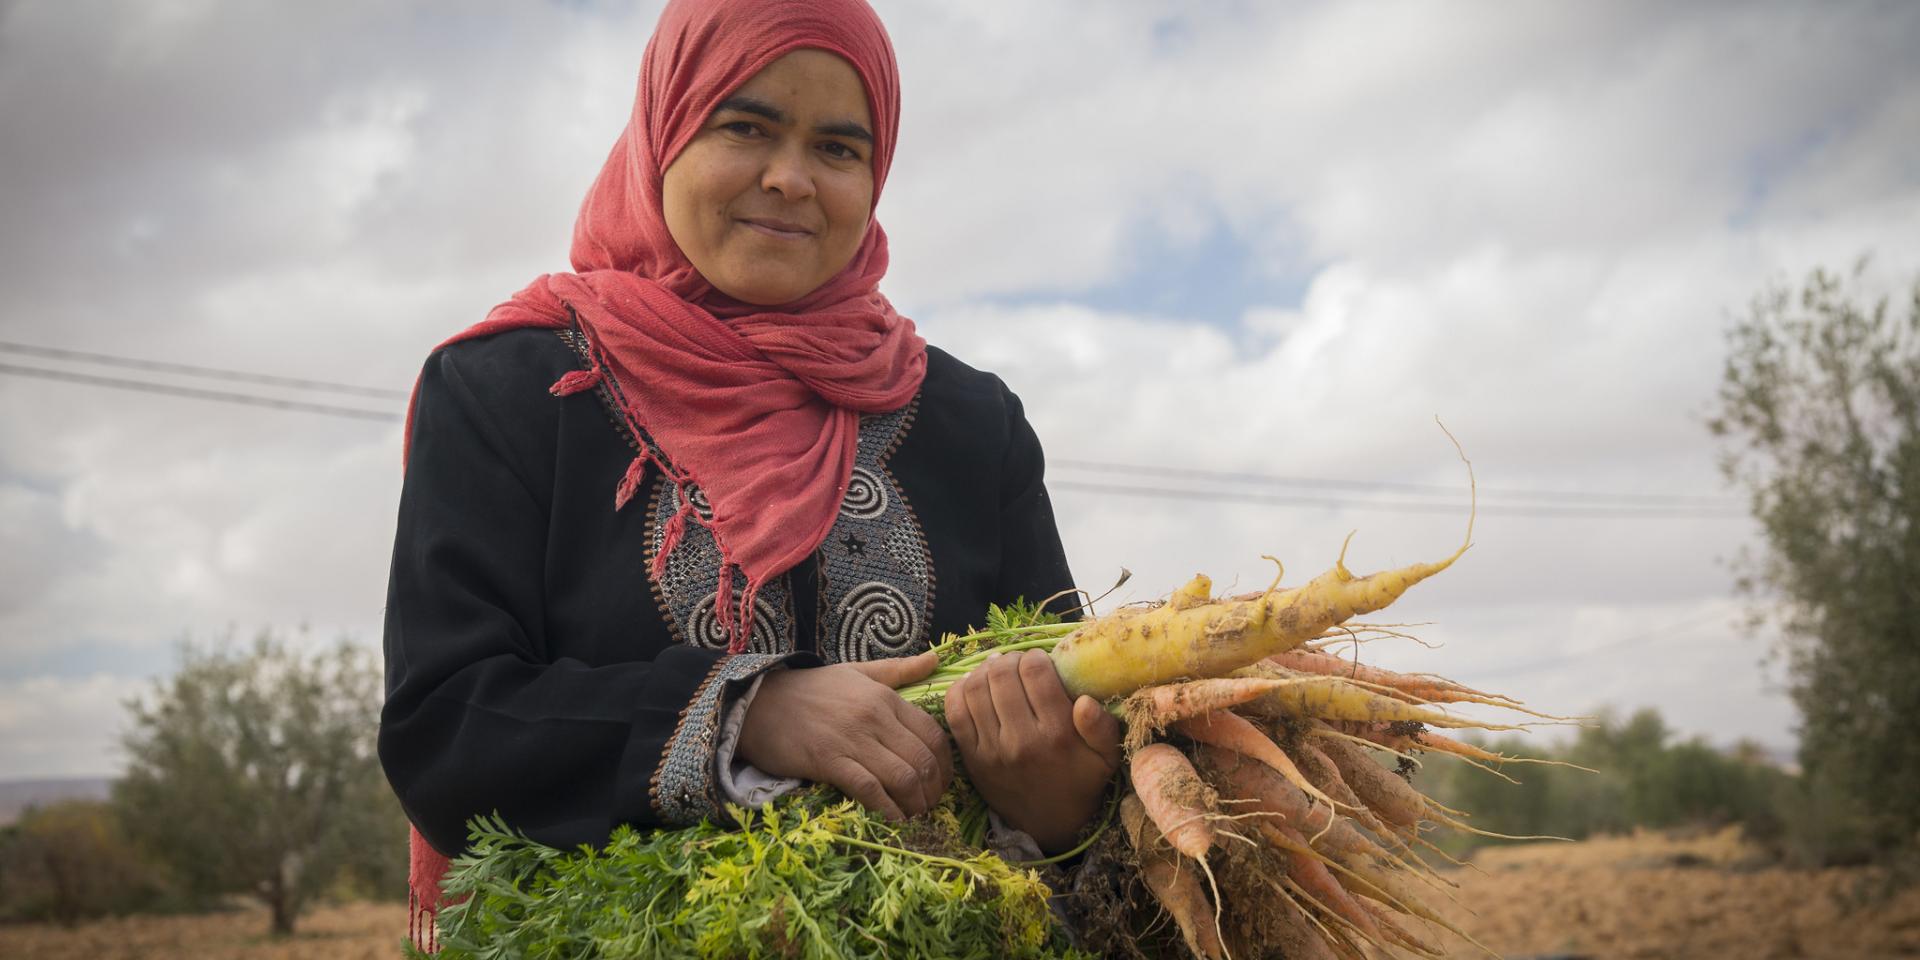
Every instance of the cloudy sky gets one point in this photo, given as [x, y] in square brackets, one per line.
[1256, 247]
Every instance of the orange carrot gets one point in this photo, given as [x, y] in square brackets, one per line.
[1178, 890]
[1321, 770]
[1391, 798]
[1408, 687]
[1318, 882]
[1157, 707]
[1175, 798]
[1225, 730]
[1259, 790]
[1430, 689]
[1394, 931]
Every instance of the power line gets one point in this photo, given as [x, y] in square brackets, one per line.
[1398, 506]
[217, 396]
[1661, 633]
[1601, 505]
[212, 373]
[1650, 499]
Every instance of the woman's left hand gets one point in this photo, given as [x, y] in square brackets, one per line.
[1039, 759]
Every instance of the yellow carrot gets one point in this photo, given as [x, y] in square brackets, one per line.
[1332, 698]
[1134, 647]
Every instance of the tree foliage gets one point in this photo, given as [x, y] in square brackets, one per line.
[68, 862]
[253, 771]
[1636, 774]
[1819, 412]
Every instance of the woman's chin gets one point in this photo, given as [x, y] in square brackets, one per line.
[764, 291]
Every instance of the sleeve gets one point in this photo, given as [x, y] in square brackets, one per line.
[481, 716]
[1033, 563]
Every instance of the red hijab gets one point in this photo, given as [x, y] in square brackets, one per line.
[758, 406]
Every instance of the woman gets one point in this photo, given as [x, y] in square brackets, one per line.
[696, 570]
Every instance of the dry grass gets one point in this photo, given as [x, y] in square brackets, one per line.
[357, 931]
[1653, 896]
[1642, 896]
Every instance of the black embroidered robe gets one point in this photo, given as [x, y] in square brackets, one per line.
[534, 669]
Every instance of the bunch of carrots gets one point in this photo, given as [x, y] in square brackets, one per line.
[1258, 806]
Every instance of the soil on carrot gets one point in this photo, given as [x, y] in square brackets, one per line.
[1189, 792]
[1258, 927]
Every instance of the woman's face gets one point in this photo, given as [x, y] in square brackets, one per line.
[771, 198]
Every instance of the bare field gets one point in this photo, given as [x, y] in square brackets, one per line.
[1643, 896]
[358, 931]
[1648, 896]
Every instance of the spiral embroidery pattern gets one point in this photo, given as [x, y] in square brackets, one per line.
[866, 495]
[876, 576]
[704, 629]
[697, 498]
[876, 620]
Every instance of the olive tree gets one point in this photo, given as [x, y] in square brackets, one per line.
[253, 771]
[1819, 415]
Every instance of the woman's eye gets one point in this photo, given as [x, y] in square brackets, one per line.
[744, 128]
[840, 151]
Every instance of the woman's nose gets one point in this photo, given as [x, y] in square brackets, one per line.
[787, 173]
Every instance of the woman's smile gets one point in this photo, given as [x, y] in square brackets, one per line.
[779, 229]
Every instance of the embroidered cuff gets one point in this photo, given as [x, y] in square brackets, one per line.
[743, 783]
[686, 787]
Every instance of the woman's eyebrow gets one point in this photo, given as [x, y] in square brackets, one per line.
[846, 128]
[760, 108]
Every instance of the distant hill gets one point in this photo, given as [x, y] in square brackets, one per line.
[17, 795]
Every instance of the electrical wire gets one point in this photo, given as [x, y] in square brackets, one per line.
[187, 369]
[1559, 503]
[1223, 476]
[196, 393]
[1397, 506]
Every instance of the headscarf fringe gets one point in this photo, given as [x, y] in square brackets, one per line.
[741, 631]
[422, 923]
[577, 381]
[670, 538]
[630, 482]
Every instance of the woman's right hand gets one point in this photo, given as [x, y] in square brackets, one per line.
[843, 725]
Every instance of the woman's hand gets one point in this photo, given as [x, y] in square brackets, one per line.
[844, 725]
[1040, 760]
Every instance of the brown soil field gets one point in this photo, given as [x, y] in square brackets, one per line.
[1652, 896]
[356, 931]
[1643, 896]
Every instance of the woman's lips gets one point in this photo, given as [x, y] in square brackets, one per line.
[779, 229]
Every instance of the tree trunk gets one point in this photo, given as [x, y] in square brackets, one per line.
[282, 895]
[283, 913]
